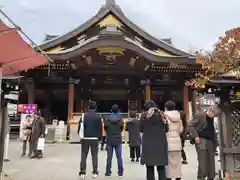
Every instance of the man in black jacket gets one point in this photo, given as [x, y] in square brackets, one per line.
[113, 126]
[92, 131]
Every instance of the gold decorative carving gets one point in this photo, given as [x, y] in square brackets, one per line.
[162, 52]
[111, 50]
[111, 60]
[175, 65]
[109, 20]
[146, 67]
[132, 61]
[89, 60]
[56, 49]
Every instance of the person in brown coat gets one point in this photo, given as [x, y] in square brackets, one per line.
[203, 132]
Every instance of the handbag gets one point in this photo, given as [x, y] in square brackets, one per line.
[40, 144]
[81, 130]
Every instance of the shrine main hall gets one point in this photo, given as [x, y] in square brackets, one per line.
[111, 60]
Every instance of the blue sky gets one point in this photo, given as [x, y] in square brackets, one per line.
[189, 23]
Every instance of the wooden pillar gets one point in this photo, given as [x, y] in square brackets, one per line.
[70, 102]
[78, 96]
[30, 87]
[70, 119]
[194, 101]
[147, 89]
[185, 102]
[47, 105]
[78, 107]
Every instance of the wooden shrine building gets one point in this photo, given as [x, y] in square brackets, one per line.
[110, 60]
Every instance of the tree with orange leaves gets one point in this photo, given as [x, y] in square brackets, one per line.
[225, 57]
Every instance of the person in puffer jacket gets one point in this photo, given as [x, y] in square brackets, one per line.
[175, 128]
[114, 126]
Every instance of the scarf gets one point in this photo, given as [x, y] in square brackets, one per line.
[152, 110]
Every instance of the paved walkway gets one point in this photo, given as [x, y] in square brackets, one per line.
[61, 162]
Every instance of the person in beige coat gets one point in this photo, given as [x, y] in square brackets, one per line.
[25, 134]
[174, 168]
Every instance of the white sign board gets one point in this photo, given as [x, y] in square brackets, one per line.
[207, 102]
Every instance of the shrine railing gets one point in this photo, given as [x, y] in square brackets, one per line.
[235, 114]
[230, 142]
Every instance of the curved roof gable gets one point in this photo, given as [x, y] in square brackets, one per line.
[113, 8]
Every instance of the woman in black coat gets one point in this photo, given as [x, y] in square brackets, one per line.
[154, 142]
[134, 137]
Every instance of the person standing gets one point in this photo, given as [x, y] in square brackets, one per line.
[38, 131]
[183, 136]
[114, 126]
[134, 137]
[92, 129]
[25, 134]
[173, 117]
[154, 142]
[103, 139]
[203, 131]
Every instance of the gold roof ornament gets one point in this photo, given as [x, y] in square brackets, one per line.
[56, 49]
[111, 50]
[162, 52]
[109, 20]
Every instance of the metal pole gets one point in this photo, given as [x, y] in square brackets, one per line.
[7, 138]
[3, 125]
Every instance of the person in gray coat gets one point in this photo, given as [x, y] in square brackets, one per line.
[38, 130]
[203, 132]
[134, 137]
[153, 125]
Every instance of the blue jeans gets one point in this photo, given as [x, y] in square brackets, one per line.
[118, 151]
